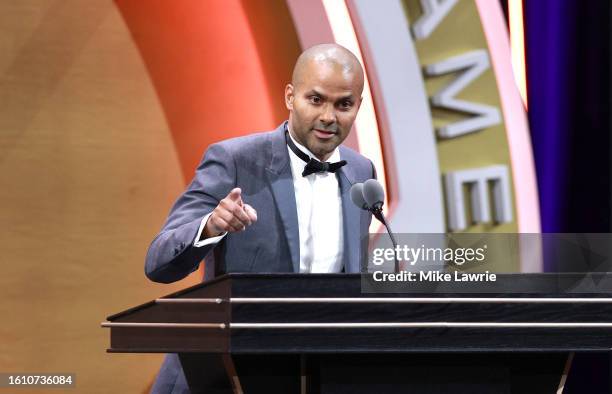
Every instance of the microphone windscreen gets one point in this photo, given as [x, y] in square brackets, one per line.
[373, 192]
[357, 196]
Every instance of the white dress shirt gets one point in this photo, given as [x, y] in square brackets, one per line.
[319, 211]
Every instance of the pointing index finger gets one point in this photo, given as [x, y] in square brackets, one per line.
[235, 195]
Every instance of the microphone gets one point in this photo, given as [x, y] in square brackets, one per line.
[370, 196]
[373, 194]
[357, 196]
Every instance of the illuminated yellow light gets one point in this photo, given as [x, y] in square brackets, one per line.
[368, 136]
[517, 43]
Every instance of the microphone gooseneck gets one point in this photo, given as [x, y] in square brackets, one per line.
[370, 196]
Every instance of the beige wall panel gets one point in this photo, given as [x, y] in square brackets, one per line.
[88, 172]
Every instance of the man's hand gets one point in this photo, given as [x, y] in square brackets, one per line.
[230, 215]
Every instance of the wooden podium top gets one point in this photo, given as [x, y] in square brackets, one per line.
[321, 313]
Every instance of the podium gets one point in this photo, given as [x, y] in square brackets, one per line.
[320, 333]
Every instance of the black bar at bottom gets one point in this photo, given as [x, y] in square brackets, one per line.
[418, 373]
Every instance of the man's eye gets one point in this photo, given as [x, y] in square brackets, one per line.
[346, 104]
[315, 100]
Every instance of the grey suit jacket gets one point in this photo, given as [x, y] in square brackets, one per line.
[259, 164]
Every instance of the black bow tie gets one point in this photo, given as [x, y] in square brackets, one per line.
[312, 165]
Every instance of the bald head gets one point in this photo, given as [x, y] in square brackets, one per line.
[332, 57]
[323, 98]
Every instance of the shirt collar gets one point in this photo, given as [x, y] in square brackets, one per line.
[335, 156]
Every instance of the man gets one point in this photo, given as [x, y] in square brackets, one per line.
[277, 201]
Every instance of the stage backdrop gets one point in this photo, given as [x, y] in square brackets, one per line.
[107, 107]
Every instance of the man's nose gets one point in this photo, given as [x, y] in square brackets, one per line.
[328, 116]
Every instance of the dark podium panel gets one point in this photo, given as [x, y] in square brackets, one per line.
[291, 333]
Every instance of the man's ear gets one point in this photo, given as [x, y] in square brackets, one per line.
[289, 96]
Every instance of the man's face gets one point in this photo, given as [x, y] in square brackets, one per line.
[323, 106]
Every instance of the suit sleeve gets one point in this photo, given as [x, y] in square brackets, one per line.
[172, 255]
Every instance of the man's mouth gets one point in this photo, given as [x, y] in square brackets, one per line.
[324, 134]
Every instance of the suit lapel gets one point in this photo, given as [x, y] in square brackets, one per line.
[281, 182]
[350, 219]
